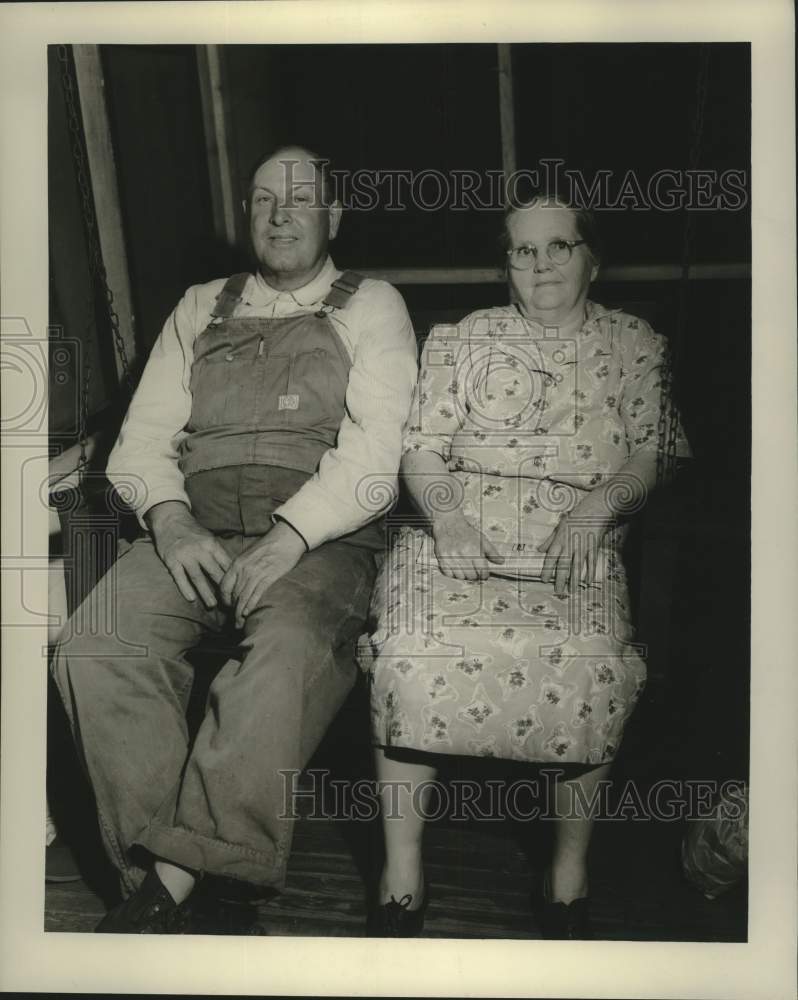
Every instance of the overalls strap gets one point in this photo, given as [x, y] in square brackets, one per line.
[230, 296]
[341, 291]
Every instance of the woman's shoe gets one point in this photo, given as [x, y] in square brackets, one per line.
[560, 921]
[393, 919]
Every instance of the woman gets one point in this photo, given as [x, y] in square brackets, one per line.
[502, 627]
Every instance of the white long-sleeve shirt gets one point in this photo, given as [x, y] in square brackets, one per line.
[376, 331]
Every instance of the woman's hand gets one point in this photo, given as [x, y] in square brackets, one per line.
[572, 550]
[462, 551]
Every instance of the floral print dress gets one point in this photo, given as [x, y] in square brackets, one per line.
[527, 422]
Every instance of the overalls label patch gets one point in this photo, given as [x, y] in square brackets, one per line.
[290, 402]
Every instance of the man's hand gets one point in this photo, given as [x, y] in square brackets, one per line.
[258, 567]
[193, 555]
[462, 552]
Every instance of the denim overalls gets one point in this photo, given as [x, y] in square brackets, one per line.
[268, 397]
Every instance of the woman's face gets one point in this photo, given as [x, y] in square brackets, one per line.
[550, 293]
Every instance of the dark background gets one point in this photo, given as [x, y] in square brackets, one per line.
[613, 106]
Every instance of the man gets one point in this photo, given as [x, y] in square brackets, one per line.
[268, 406]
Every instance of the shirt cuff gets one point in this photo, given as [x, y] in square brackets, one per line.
[279, 519]
[162, 496]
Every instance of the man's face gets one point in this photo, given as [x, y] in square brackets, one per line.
[289, 225]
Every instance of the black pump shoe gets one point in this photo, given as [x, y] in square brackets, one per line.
[560, 921]
[150, 910]
[394, 920]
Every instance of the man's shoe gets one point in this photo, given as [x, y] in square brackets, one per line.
[150, 910]
[393, 919]
[59, 864]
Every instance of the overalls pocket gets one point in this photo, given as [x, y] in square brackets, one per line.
[312, 396]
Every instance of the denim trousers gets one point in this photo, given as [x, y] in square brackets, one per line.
[216, 804]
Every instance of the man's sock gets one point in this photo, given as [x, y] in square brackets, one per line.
[177, 881]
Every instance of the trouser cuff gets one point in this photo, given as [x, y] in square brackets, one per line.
[216, 857]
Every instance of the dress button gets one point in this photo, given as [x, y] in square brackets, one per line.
[229, 357]
[559, 357]
[558, 378]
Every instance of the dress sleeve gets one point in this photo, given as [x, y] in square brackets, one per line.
[438, 409]
[645, 383]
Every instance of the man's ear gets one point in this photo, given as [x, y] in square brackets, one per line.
[336, 211]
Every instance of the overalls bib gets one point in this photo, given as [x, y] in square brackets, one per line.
[268, 398]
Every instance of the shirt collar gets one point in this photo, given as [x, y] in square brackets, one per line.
[261, 293]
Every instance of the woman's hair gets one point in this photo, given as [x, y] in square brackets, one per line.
[585, 220]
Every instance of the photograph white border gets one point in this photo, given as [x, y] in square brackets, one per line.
[765, 966]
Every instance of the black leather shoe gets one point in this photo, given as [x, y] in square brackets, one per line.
[565, 921]
[150, 910]
[561, 921]
[394, 920]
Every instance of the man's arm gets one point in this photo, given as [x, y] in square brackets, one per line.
[145, 456]
[356, 480]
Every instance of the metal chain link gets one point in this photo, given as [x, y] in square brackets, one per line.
[84, 412]
[96, 263]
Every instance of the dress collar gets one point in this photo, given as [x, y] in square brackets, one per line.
[261, 293]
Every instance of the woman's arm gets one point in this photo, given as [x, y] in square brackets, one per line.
[572, 548]
[462, 551]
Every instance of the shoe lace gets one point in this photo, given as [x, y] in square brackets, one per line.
[395, 910]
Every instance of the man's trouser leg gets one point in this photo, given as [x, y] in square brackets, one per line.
[125, 683]
[267, 712]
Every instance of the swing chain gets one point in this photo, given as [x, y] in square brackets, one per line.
[96, 264]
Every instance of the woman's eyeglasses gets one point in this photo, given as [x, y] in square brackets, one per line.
[557, 251]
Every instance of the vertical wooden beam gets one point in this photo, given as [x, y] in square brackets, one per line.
[507, 109]
[102, 170]
[214, 93]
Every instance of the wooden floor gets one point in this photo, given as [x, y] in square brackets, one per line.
[479, 880]
[479, 872]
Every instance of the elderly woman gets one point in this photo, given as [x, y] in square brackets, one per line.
[502, 625]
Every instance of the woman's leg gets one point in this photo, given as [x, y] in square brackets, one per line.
[572, 830]
[402, 806]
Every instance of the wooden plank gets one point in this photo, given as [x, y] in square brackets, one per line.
[102, 169]
[216, 116]
[507, 109]
[632, 273]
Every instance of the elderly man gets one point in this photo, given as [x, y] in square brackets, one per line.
[269, 403]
